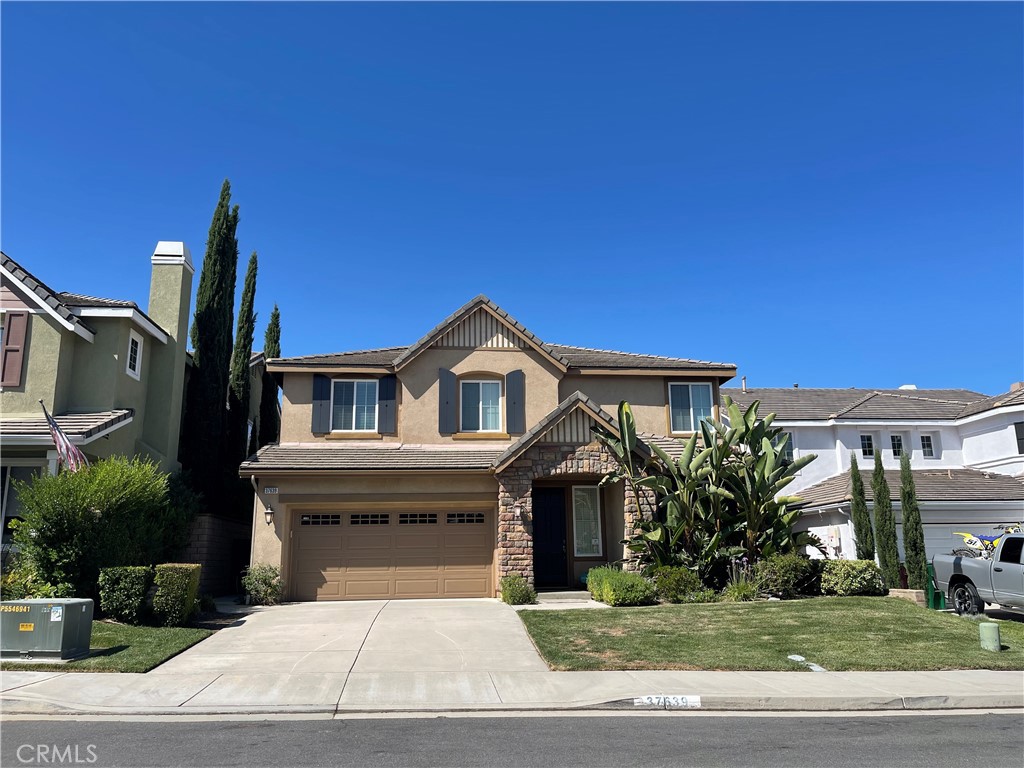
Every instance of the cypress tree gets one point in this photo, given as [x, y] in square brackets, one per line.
[885, 527]
[239, 382]
[269, 426]
[913, 531]
[862, 531]
[204, 433]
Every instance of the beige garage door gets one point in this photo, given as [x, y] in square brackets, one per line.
[375, 555]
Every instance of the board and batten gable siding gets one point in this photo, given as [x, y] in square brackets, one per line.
[574, 429]
[481, 330]
[12, 300]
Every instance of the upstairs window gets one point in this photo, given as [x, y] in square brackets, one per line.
[896, 441]
[481, 406]
[689, 405]
[134, 366]
[354, 406]
[1018, 428]
[927, 447]
[867, 446]
[787, 450]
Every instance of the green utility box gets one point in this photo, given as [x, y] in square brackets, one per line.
[45, 629]
[936, 599]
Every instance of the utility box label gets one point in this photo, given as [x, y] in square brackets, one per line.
[26, 627]
[57, 613]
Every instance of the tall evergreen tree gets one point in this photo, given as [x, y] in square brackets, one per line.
[204, 432]
[862, 531]
[239, 381]
[269, 426]
[913, 531]
[885, 527]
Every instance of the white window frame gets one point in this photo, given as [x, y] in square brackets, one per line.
[933, 439]
[480, 406]
[790, 445]
[135, 373]
[893, 437]
[376, 404]
[871, 439]
[694, 423]
[600, 523]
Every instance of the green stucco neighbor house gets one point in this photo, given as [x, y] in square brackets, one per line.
[112, 374]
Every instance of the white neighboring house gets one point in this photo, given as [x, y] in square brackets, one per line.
[966, 450]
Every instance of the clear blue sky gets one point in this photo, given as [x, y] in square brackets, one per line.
[822, 194]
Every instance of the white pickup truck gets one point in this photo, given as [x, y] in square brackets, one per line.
[970, 582]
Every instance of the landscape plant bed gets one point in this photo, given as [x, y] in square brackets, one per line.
[123, 648]
[837, 633]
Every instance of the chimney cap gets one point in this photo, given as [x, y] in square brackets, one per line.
[908, 386]
[173, 252]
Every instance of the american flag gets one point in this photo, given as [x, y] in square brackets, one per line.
[68, 453]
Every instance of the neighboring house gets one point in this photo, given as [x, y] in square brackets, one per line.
[433, 470]
[110, 373]
[966, 451]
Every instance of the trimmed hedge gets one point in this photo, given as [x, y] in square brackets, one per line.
[177, 588]
[787, 576]
[515, 590]
[615, 587]
[851, 577]
[123, 592]
[675, 585]
[262, 583]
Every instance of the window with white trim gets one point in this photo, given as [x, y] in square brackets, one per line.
[354, 406]
[787, 451]
[480, 406]
[134, 366]
[689, 405]
[586, 521]
[896, 441]
[927, 447]
[867, 446]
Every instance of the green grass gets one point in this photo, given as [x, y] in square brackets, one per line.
[123, 648]
[848, 633]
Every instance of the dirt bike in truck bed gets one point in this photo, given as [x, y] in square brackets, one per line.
[970, 582]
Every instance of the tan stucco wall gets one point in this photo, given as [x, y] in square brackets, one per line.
[45, 351]
[270, 544]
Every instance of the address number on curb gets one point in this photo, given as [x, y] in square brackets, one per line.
[669, 702]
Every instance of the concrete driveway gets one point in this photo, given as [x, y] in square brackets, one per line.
[374, 636]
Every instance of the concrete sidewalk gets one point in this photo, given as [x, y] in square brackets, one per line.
[270, 692]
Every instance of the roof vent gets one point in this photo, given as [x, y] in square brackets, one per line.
[908, 386]
[796, 386]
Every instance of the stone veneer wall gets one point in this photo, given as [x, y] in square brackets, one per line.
[515, 485]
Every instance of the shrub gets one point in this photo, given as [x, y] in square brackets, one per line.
[706, 595]
[787, 576]
[515, 590]
[177, 587]
[207, 604]
[675, 584]
[851, 577]
[123, 592]
[20, 581]
[616, 587]
[114, 512]
[262, 583]
[741, 591]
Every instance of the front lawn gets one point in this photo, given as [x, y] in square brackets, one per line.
[123, 648]
[837, 633]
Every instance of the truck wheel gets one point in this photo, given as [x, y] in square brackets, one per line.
[966, 601]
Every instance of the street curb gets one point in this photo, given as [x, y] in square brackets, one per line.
[713, 703]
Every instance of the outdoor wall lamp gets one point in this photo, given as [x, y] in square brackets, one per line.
[268, 514]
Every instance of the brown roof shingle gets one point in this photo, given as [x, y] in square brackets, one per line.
[74, 425]
[799, 403]
[376, 458]
[1013, 397]
[930, 484]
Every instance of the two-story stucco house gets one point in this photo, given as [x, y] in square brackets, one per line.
[432, 470]
[111, 374]
[966, 451]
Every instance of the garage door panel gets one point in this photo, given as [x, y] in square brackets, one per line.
[396, 554]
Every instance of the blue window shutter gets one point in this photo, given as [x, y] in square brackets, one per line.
[515, 402]
[446, 422]
[321, 404]
[387, 405]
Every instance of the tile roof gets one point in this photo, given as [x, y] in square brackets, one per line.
[42, 291]
[375, 458]
[930, 484]
[1013, 397]
[576, 357]
[75, 425]
[799, 403]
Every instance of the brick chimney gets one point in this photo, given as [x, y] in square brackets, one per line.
[170, 302]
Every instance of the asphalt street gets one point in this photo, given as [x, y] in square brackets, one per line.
[988, 740]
